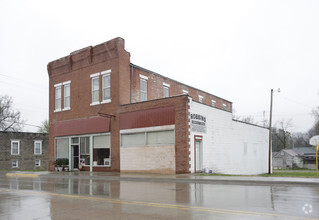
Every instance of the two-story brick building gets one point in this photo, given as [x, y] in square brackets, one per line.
[107, 114]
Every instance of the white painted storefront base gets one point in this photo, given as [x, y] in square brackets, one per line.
[227, 146]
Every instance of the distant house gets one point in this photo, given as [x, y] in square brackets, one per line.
[302, 157]
[308, 155]
[23, 151]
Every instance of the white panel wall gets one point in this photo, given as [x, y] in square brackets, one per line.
[224, 141]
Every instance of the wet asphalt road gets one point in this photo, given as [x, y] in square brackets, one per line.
[76, 198]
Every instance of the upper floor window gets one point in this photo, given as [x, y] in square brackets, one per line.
[95, 88]
[185, 91]
[224, 106]
[106, 86]
[37, 147]
[143, 87]
[213, 103]
[166, 90]
[67, 88]
[15, 147]
[200, 98]
[58, 93]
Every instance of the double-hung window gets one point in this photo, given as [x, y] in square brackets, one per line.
[213, 103]
[200, 98]
[58, 93]
[67, 88]
[224, 106]
[95, 88]
[106, 86]
[143, 87]
[37, 147]
[15, 147]
[165, 90]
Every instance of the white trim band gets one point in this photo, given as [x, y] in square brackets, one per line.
[94, 75]
[156, 128]
[143, 77]
[105, 72]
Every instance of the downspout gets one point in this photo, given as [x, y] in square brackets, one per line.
[131, 83]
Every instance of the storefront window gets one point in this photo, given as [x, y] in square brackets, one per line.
[85, 151]
[62, 148]
[101, 150]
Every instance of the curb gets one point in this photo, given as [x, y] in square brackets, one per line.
[189, 180]
[22, 175]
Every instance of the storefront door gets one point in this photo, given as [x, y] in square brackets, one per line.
[75, 156]
[198, 154]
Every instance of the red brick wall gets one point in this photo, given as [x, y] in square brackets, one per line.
[180, 104]
[78, 67]
[155, 89]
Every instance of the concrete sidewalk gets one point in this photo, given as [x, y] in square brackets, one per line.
[179, 178]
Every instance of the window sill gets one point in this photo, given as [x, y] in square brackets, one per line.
[66, 109]
[95, 103]
[106, 101]
[96, 166]
[57, 110]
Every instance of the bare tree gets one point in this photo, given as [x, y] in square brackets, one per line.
[315, 113]
[235, 116]
[282, 134]
[44, 128]
[248, 119]
[9, 119]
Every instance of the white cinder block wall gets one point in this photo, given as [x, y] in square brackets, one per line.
[230, 147]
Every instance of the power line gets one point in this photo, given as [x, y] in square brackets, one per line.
[295, 101]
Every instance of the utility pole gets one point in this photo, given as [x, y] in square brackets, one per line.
[270, 120]
[269, 156]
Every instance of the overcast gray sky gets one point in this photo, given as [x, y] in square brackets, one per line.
[237, 50]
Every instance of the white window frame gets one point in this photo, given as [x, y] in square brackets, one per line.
[166, 86]
[35, 163]
[57, 99]
[200, 98]
[106, 73]
[16, 162]
[35, 144]
[66, 84]
[213, 103]
[143, 79]
[224, 106]
[185, 91]
[93, 77]
[15, 141]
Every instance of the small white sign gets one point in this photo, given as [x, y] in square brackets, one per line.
[198, 123]
[314, 141]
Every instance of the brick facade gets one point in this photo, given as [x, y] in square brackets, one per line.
[26, 158]
[77, 69]
[155, 88]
